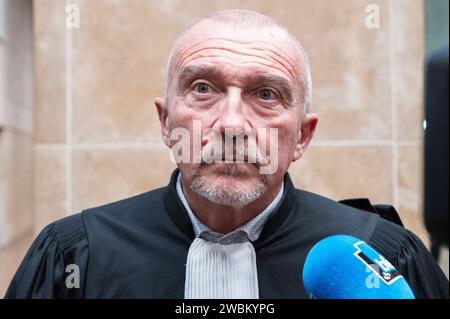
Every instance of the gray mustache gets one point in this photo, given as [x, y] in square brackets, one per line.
[232, 152]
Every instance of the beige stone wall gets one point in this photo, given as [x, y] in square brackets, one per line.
[16, 125]
[96, 130]
[16, 132]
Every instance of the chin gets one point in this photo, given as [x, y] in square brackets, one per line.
[223, 184]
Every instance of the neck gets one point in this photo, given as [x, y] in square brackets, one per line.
[213, 216]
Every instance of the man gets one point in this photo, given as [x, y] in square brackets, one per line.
[222, 228]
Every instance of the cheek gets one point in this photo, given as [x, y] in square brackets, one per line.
[183, 115]
[284, 143]
[287, 141]
[180, 115]
[286, 147]
[286, 127]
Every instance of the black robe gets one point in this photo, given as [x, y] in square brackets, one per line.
[137, 248]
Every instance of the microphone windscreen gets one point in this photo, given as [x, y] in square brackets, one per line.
[345, 267]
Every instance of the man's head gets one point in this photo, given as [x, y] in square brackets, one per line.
[238, 71]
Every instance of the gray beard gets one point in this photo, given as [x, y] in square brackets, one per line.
[223, 194]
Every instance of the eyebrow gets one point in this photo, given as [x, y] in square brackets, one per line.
[193, 71]
[261, 78]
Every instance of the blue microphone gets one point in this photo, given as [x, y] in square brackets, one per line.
[345, 267]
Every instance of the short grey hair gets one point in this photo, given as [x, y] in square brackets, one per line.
[237, 18]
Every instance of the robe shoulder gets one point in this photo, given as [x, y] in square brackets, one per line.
[412, 259]
[87, 238]
[60, 250]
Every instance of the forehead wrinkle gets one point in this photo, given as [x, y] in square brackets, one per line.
[180, 56]
[285, 56]
[289, 64]
[262, 57]
[281, 60]
[268, 74]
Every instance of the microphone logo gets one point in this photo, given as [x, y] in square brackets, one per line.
[377, 263]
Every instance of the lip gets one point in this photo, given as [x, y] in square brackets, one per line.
[223, 164]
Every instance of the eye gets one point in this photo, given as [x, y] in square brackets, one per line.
[267, 95]
[201, 88]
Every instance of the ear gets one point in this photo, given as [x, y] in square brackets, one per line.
[306, 133]
[161, 107]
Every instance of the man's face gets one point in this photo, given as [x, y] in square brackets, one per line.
[248, 80]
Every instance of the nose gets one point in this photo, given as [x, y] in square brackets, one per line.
[232, 114]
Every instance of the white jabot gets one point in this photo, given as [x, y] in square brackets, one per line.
[223, 265]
